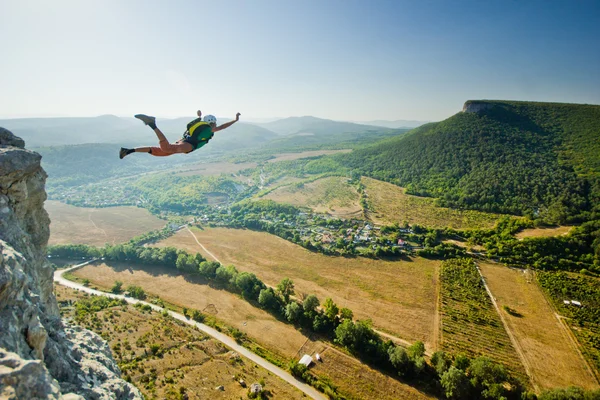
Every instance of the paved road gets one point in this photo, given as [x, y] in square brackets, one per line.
[226, 340]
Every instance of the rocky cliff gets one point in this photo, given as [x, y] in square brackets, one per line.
[41, 356]
[475, 106]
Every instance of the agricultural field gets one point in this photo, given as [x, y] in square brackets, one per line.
[544, 232]
[389, 204]
[97, 226]
[194, 293]
[217, 168]
[469, 321]
[583, 319]
[332, 195]
[305, 154]
[161, 355]
[343, 370]
[277, 337]
[547, 347]
[399, 296]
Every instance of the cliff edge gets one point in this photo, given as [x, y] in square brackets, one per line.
[41, 356]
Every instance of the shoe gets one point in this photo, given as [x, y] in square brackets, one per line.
[145, 119]
[122, 152]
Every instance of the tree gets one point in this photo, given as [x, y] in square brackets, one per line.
[117, 287]
[249, 284]
[399, 360]
[136, 292]
[441, 362]
[311, 302]
[461, 361]
[486, 376]
[267, 299]
[456, 384]
[226, 274]
[293, 311]
[286, 288]
[208, 269]
[346, 313]
[331, 309]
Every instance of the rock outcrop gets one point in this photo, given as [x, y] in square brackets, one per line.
[41, 357]
[475, 106]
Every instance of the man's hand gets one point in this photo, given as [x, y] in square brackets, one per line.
[237, 116]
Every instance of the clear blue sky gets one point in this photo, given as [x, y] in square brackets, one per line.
[338, 59]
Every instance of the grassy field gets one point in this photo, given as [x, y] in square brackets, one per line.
[346, 372]
[332, 195]
[193, 294]
[469, 321]
[188, 359]
[218, 168]
[552, 356]
[305, 154]
[97, 226]
[389, 204]
[397, 295]
[544, 232]
[353, 378]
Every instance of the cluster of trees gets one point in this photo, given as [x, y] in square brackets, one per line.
[152, 236]
[166, 256]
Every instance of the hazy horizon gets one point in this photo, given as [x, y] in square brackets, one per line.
[338, 60]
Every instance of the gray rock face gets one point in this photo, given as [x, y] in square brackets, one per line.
[40, 356]
[474, 106]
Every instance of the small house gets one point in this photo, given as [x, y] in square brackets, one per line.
[566, 302]
[576, 303]
[306, 360]
[318, 357]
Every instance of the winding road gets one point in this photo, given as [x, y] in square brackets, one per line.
[226, 340]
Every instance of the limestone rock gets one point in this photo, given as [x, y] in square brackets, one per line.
[8, 139]
[475, 106]
[40, 356]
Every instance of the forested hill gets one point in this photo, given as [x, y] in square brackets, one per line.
[524, 158]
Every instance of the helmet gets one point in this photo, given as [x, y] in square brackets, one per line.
[211, 119]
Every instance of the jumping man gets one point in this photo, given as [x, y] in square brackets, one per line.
[198, 133]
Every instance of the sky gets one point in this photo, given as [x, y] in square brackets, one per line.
[336, 59]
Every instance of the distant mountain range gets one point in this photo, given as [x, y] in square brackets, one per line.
[314, 126]
[43, 132]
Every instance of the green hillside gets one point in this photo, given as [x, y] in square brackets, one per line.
[525, 158]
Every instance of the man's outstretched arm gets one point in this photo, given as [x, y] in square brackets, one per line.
[227, 124]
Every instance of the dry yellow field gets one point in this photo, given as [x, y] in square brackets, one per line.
[97, 226]
[332, 195]
[399, 296]
[547, 348]
[305, 154]
[351, 376]
[187, 292]
[357, 380]
[214, 168]
[544, 232]
[191, 359]
[391, 205]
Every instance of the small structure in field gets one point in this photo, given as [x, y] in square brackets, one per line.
[306, 360]
[576, 303]
[255, 388]
[318, 357]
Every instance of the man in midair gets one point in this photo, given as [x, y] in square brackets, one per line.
[198, 133]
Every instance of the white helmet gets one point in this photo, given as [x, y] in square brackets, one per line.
[211, 119]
